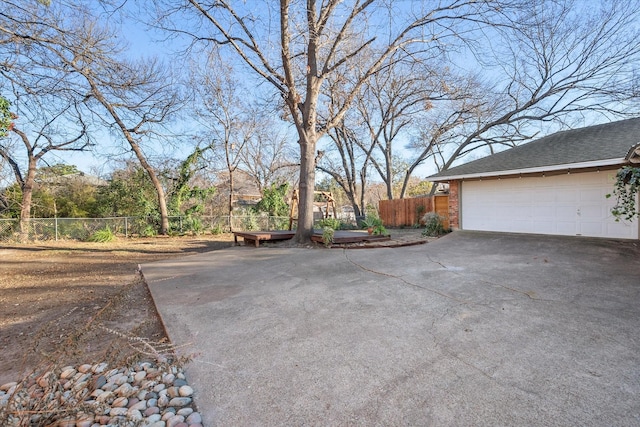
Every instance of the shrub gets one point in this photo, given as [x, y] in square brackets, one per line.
[379, 230]
[370, 221]
[149, 231]
[433, 225]
[217, 229]
[347, 226]
[327, 235]
[250, 221]
[274, 200]
[193, 224]
[330, 222]
[104, 235]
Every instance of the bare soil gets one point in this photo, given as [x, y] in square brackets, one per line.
[69, 302]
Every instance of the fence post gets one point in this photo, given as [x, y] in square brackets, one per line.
[55, 222]
[126, 227]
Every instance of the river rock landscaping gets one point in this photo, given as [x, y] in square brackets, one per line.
[146, 394]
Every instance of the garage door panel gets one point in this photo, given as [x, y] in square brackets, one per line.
[566, 228]
[565, 212]
[591, 195]
[565, 204]
[590, 213]
[544, 196]
[545, 212]
[545, 227]
[517, 213]
[565, 194]
[521, 226]
[591, 228]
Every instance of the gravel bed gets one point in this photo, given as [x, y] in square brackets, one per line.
[145, 394]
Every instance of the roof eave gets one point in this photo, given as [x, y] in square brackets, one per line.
[539, 169]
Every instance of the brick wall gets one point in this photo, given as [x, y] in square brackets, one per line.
[454, 204]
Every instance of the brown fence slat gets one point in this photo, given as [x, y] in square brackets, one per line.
[408, 212]
[441, 207]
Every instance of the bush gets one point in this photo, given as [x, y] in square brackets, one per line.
[327, 236]
[330, 222]
[278, 223]
[347, 226]
[274, 200]
[433, 225]
[104, 235]
[149, 231]
[217, 229]
[250, 221]
[193, 224]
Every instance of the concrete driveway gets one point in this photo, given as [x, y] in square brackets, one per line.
[471, 329]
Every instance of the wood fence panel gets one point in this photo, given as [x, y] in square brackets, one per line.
[403, 212]
[441, 207]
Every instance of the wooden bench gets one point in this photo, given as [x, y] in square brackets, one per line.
[254, 237]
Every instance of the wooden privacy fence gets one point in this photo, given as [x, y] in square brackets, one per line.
[408, 212]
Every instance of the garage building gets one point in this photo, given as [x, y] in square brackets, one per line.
[554, 185]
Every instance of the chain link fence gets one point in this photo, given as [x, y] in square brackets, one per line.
[82, 228]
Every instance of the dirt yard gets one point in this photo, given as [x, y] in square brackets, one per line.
[73, 302]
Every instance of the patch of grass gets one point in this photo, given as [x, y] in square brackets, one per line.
[104, 235]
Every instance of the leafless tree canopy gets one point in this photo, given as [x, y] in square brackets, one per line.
[61, 59]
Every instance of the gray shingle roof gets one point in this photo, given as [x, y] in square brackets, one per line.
[603, 142]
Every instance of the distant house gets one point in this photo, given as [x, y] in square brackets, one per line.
[554, 185]
[246, 193]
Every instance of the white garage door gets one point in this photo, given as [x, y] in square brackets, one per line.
[572, 204]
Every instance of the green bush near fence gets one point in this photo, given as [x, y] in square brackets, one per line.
[102, 236]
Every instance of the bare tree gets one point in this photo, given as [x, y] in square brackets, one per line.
[267, 156]
[310, 42]
[349, 166]
[132, 98]
[391, 105]
[47, 112]
[53, 134]
[347, 155]
[221, 110]
[560, 62]
[65, 47]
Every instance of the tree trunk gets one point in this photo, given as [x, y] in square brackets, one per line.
[389, 177]
[27, 194]
[363, 187]
[162, 200]
[354, 203]
[306, 188]
[231, 198]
